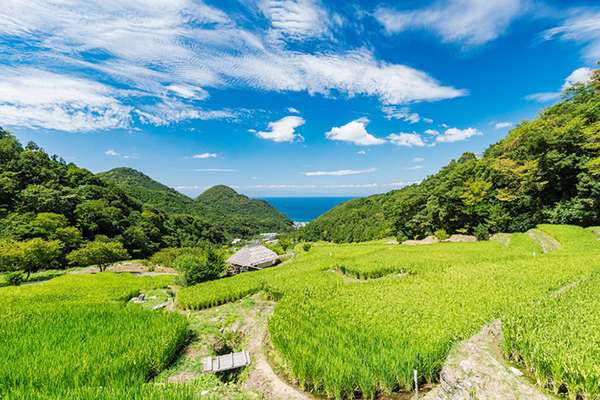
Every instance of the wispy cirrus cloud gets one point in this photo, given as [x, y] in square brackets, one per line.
[469, 22]
[581, 26]
[157, 60]
[342, 172]
[580, 75]
[502, 125]
[205, 155]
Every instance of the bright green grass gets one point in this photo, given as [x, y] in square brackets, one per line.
[77, 334]
[342, 337]
[558, 340]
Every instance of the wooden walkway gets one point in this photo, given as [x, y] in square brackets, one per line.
[226, 362]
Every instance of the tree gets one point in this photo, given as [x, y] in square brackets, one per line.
[195, 269]
[30, 255]
[101, 254]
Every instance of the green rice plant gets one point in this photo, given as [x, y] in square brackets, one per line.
[558, 340]
[343, 337]
[77, 332]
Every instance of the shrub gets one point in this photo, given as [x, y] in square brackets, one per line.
[167, 256]
[306, 247]
[481, 232]
[14, 278]
[195, 269]
[441, 234]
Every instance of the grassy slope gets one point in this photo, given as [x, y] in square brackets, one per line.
[339, 335]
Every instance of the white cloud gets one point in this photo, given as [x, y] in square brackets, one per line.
[297, 19]
[469, 22]
[362, 152]
[501, 125]
[215, 170]
[457, 135]
[406, 139]
[432, 132]
[418, 159]
[354, 132]
[582, 26]
[428, 120]
[283, 130]
[400, 113]
[413, 168]
[170, 54]
[580, 75]
[293, 110]
[111, 152]
[205, 155]
[340, 173]
[443, 126]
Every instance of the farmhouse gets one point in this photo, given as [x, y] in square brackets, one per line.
[253, 256]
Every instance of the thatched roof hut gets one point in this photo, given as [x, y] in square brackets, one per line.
[252, 256]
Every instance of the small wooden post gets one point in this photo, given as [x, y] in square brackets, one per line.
[416, 383]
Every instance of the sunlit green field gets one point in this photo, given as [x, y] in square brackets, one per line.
[76, 337]
[342, 336]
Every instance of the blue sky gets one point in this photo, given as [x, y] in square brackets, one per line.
[284, 97]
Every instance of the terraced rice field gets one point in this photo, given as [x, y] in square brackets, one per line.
[76, 337]
[345, 337]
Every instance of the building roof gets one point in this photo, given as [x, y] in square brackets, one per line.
[252, 255]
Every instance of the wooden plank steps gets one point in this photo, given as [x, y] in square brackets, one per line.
[226, 362]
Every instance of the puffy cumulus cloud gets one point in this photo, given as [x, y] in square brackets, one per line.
[342, 172]
[283, 130]
[171, 54]
[469, 22]
[205, 155]
[428, 120]
[400, 113]
[501, 125]
[582, 26]
[457, 135]
[293, 110]
[406, 139]
[418, 159]
[354, 132]
[432, 132]
[580, 75]
[111, 152]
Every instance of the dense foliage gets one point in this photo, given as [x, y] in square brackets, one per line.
[344, 336]
[236, 215]
[49, 208]
[76, 333]
[546, 171]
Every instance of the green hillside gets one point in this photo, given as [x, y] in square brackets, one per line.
[44, 198]
[227, 201]
[545, 171]
[221, 206]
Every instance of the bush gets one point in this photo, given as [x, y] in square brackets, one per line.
[14, 278]
[481, 232]
[441, 235]
[306, 247]
[167, 256]
[195, 269]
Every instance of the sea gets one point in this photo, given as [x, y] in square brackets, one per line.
[305, 209]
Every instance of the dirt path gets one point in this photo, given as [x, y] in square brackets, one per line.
[476, 370]
[262, 377]
[547, 242]
[132, 267]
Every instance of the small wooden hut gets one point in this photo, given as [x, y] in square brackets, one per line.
[251, 257]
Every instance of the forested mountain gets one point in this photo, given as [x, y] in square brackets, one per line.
[545, 171]
[235, 214]
[227, 201]
[44, 197]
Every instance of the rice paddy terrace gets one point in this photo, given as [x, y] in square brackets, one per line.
[358, 319]
[351, 320]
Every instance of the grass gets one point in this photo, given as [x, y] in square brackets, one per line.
[342, 338]
[76, 337]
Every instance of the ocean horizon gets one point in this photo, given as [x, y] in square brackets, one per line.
[305, 209]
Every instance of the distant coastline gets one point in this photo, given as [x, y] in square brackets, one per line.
[305, 209]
